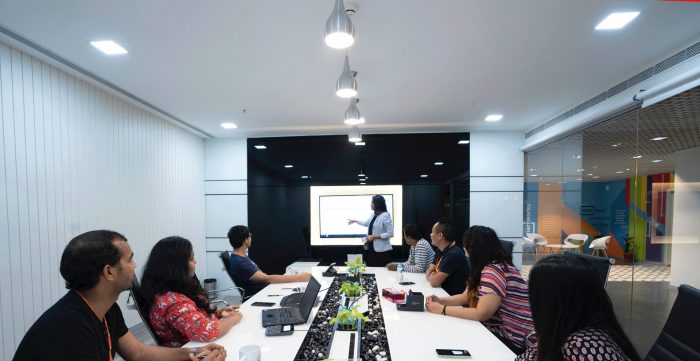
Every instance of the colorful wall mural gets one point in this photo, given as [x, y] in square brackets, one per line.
[634, 208]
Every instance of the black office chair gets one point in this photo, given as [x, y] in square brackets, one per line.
[679, 338]
[601, 264]
[140, 305]
[243, 285]
[508, 246]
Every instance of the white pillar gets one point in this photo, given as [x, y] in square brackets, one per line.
[686, 228]
[496, 166]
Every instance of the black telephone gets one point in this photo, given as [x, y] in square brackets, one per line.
[330, 272]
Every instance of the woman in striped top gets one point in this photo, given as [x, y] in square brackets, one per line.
[421, 254]
[496, 294]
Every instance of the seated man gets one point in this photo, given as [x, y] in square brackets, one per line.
[421, 254]
[450, 268]
[86, 323]
[245, 272]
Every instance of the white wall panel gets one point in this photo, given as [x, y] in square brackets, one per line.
[501, 211]
[75, 158]
[225, 211]
[500, 184]
[226, 159]
[226, 187]
[496, 154]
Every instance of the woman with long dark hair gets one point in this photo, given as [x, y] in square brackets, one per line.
[496, 294]
[178, 307]
[380, 228]
[573, 314]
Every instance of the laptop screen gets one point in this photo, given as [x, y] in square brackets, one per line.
[307, 302]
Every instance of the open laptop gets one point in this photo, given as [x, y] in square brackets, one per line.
[293, 314]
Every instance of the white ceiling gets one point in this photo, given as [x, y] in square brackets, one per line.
[424, 66]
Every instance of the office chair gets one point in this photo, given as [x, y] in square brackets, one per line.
[507, 246]
[601, 264]
[225, 258]
[679, 338]
[599, 245]
[140, 306]
[576, 239]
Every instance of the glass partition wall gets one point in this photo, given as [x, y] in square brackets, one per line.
[629, 187]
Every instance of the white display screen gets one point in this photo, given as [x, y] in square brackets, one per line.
[332, 206]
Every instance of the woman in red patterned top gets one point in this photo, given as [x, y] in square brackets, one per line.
[179, 310]
[573, 315]
[496, 294]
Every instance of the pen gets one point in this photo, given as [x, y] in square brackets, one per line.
[273, 295]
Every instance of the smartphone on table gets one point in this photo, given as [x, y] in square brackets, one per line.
[452, 353]
[263, 304]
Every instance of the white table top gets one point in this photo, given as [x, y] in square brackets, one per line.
[411, 335]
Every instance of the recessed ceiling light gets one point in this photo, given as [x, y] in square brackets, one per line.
[533, 175]
[596, 176]
[616, 21]
[656, 139]
[305, 177]
[617, 144]
[619, 172]
[361, 175]
[288, 166]
[578, 179]
[627, 169]
[578, 157]
[109, 47]
[494, 117]
[636, 157]
[424, 176]
[463, 141]
[439, 163]
[532, 169]
[359, 143]
[656, 161]
[589, 174]
[580, 170]
[260, 147]
[546, 184]
[363, 183]
[228, 125]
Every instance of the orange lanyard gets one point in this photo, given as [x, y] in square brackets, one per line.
[437, 267]
[109, 338]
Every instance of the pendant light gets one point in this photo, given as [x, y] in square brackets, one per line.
[355, 135]
[352, 114]
[346, 86]
[339, 29]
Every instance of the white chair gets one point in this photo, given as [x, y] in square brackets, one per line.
[576, 239]
[529, 243]
[540, 240]
[599, 245]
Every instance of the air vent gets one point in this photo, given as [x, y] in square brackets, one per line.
[666, 64]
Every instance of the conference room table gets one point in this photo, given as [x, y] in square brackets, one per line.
[411, 335]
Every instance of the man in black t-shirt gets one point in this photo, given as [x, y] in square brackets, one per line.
[450, 269]
[86, 323]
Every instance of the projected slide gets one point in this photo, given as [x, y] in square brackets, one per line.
[332, 206]
[334, 212]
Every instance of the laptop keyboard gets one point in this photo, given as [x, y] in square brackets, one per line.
[288, 315]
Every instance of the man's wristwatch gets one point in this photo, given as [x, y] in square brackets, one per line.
[444, 308]
[193, 353]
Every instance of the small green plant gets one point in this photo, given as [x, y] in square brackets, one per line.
[350, 289]
[356, 266]
[629, 243]
[348, 318]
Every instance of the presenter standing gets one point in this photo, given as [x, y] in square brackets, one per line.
[380, 228]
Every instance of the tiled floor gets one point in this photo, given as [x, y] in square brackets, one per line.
[641, 272]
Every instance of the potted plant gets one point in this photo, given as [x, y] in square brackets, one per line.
[356, 268]
[348, 318]
[629, 251]
[350, 289]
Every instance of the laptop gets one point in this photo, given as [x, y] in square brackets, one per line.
[293, 314]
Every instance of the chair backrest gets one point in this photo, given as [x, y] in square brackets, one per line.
[601, 264]
[508, 246]
[141, 308]
[601, 242]
[248, 287]
[527, 242]
[679, 338]
[578, 238]
[538, 238]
